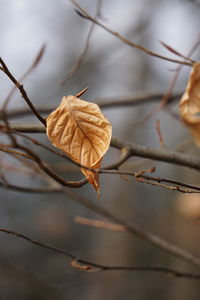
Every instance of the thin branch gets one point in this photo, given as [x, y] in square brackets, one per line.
[177, 185]
[82, 56]
[34, 157]
[174, 182]
[113, 102]
[159, 154]
[28, 128]
[159, 134]
[85, 15]
[100, 224]
[125, 155]
[133, 229]
[36, 190]
[51, 173]
[22, 91]
[34, 64]
[171, 49]
[177, 188]
[138, 99]
[88, 266]
[7, 149]
[9, 134]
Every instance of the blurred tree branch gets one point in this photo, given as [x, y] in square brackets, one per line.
[82, 56]
[106, 103]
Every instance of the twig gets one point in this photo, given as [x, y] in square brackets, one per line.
[34, 157]
[177, 185]
[34, 64]
[133, 229]
[160, 136]
[36, 190]
[169, 48]
[125, 155]
[7, 125]
[28, 128]
[7, 149]
[159, 154]
[174, 182]
[51, 173]
[88, 266]
[22, 91]
[168, 187]
[100, 224]
[82, 56]
[114, 102]
[85, 15]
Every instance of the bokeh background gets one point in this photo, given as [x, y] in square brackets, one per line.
[110, 69]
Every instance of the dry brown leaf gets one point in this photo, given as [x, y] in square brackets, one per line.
[80, 129]
[190, 103]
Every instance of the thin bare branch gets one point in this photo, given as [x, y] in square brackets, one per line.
[9, 134]
[85, 15]
[87, 266]
[7, 149]
[22, 91]
[106, 103]
[34, 64]
[36, 190]
[177, 185]
[100, 224]
[168, 187]
[159, 154]
[82, 56]
[125, 155]
[51, 173]
[34, 157]
[159, 133]
[171, 49]
[133, 229]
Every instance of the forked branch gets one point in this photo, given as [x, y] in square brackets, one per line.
[84, 14]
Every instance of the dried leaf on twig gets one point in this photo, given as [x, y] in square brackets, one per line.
[80, 129]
